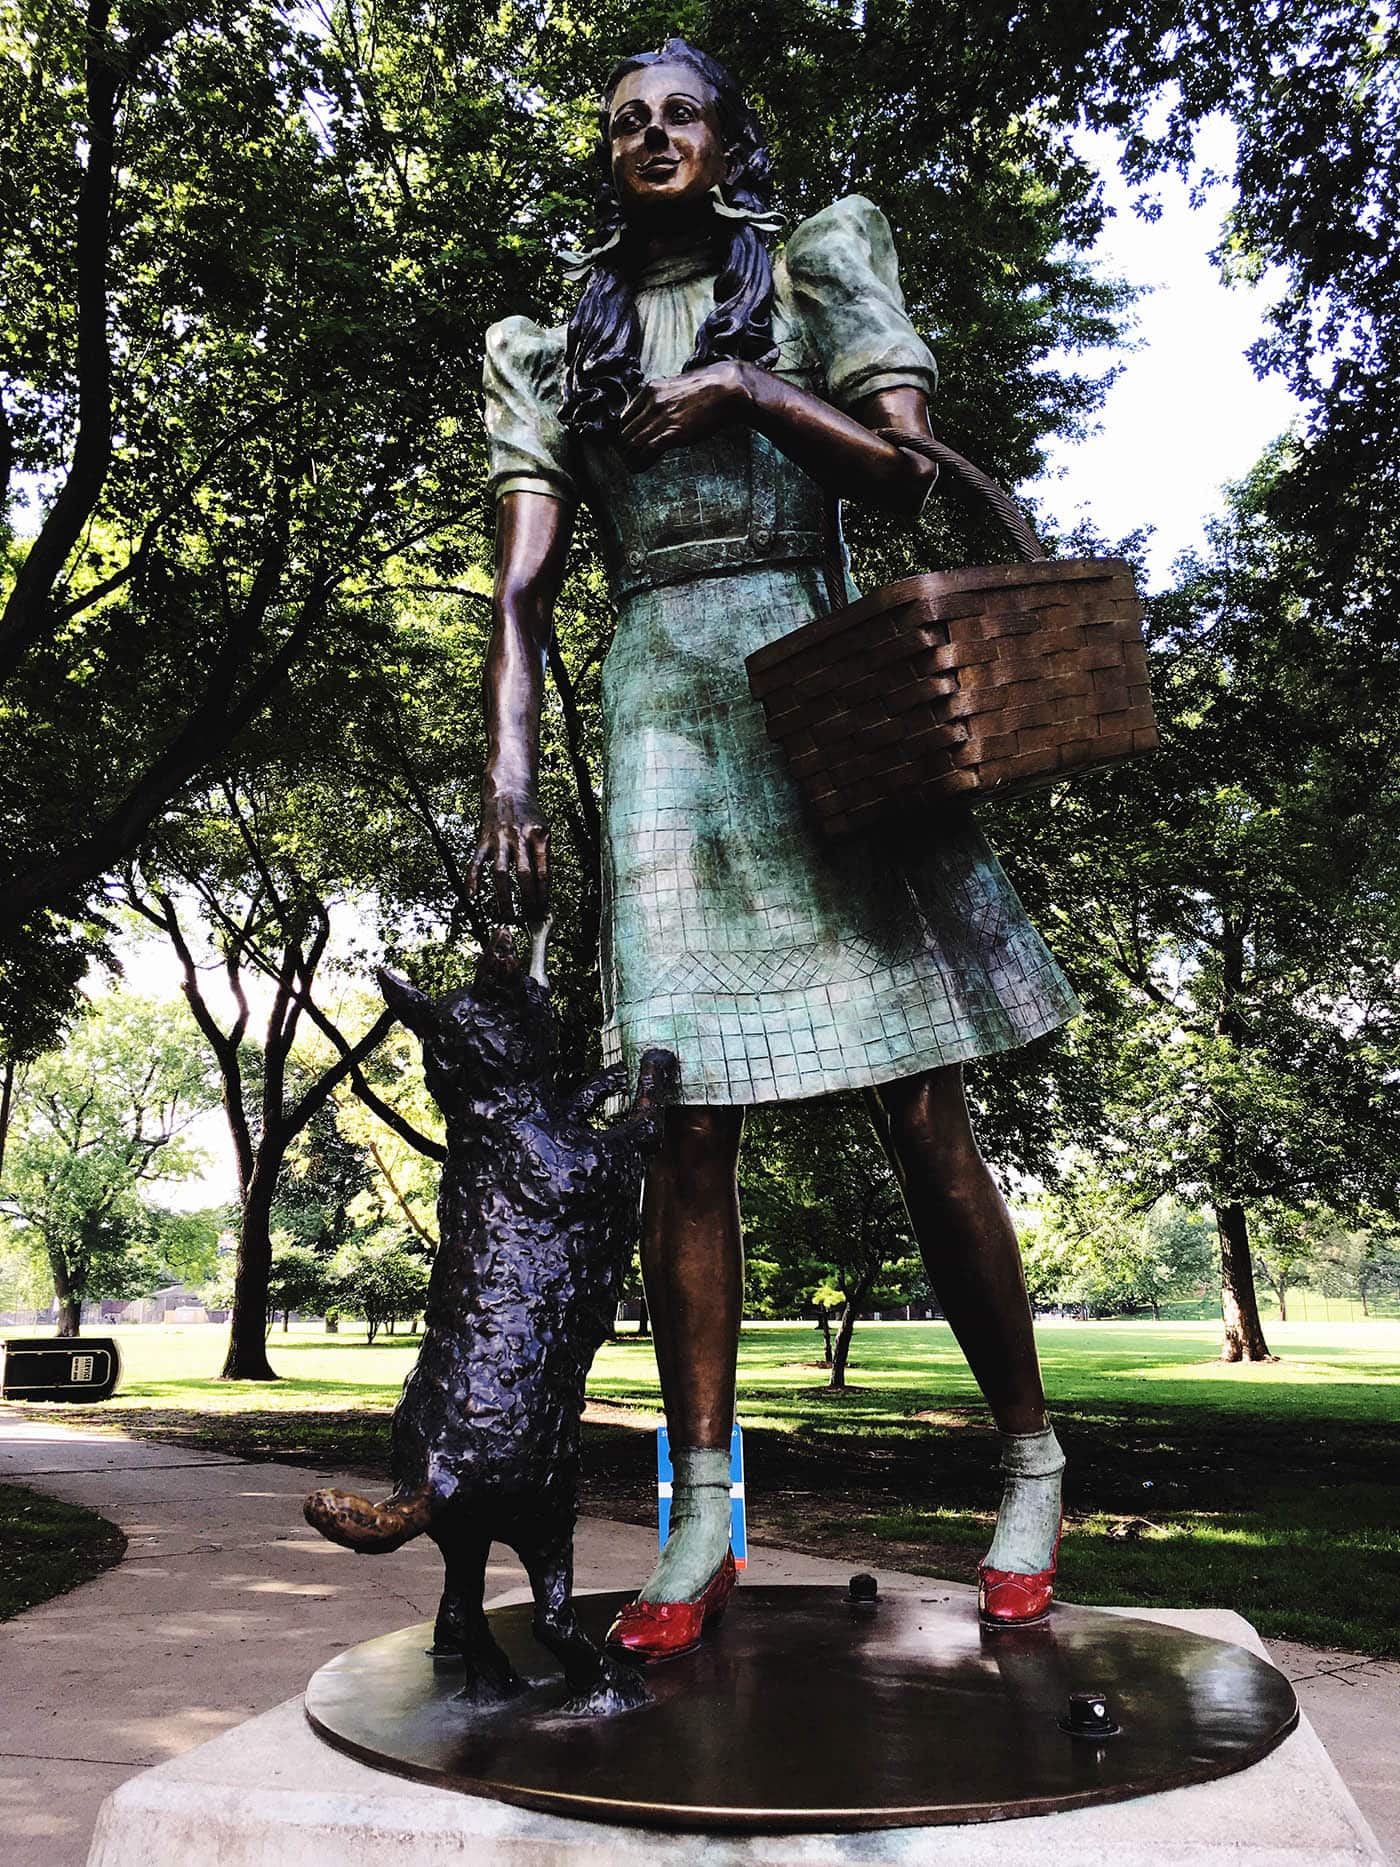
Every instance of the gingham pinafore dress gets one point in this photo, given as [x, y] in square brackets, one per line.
[775, 965]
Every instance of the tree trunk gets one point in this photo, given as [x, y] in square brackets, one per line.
[842, 1348]
[7, 1102]
[1282, 1303]
[1239, 1303]
[643, 1318]
[246, 1359]
[286, 1320]
[824, 1324]
[371, 1329]
[332, 1325]
[70, 1304]
[840, 1354]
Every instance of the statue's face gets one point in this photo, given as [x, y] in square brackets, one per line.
[667, 153]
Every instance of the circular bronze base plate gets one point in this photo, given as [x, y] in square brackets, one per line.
[803, 1711]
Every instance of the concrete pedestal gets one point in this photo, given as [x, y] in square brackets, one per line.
[272, 1794]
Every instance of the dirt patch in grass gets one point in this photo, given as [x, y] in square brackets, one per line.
[48, 1547]
[634, 1419]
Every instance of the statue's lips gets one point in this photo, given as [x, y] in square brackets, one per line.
[657, 171]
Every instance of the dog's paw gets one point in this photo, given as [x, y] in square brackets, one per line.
[619, 1688]
[482, 1694]
[658, 1080]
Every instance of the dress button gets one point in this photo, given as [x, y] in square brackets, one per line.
[636, 558]
[763, 536]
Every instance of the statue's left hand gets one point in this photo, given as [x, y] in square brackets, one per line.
[679, 410]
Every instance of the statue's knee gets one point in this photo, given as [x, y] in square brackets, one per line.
[703, 1124]
[930, 1128]
[700, 1143]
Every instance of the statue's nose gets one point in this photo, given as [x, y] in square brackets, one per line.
[655, 137]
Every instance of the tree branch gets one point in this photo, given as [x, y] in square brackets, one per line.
[316, 1097]
[297, 987]
[226, 1046]
[391, 1118]
[134, 563]
[108, 69]
[207, 732]
[421, 803]
[400, 1197]
[573, 739]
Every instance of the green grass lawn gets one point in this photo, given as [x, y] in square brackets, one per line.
[1269, 1489]
[48, 1547]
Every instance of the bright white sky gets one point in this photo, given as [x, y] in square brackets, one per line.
[1186, 415]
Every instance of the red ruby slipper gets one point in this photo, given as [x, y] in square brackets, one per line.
[663, 1630]
[1008, 1598]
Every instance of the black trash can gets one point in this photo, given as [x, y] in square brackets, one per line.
[47, 1367]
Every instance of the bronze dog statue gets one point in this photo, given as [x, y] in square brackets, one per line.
[538, 1212]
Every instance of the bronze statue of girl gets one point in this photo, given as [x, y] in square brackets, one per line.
[713, 403]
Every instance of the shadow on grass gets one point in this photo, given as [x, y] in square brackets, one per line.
[48, 1547]
[1164, 1508]
[356, 1339]
[1268, 1490]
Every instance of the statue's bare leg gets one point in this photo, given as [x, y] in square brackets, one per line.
[967, 1241]
[693, 1265]
[969, 1248]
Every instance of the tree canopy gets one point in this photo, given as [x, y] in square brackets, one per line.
[1231, 906]
[98, 1127]
[248, 254]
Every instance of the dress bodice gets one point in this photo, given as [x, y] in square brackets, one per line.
[726, 503]
[734, 500]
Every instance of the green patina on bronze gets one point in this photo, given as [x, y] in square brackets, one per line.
[773, 965]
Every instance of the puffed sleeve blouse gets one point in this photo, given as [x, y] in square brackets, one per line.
[839, 322]
[531, 449]
[843, 282]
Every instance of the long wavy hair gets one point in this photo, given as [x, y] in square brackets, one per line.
[602, 358]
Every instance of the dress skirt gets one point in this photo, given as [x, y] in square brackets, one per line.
[774, 964]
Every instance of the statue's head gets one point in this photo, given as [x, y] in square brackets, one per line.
[673, 128]
[484, 1044]
[673, 125]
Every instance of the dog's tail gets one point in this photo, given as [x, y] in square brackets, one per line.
[371, 1529]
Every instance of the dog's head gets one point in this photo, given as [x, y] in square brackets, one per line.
[480, 1044]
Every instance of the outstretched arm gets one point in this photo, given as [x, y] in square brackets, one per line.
[588, 1100]
[839, 451]
[532, 545]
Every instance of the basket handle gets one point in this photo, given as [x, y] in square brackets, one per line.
[1013, 520]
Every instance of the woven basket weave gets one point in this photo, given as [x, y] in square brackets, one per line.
[960, 684]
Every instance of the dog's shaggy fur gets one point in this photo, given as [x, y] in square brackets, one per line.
[538, 1214]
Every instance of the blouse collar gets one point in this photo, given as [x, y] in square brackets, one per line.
[697, 262]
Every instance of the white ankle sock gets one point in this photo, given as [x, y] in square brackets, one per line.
[699, 1525]
[1029, 1517]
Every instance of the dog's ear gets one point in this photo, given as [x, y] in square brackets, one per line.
[408, 1004]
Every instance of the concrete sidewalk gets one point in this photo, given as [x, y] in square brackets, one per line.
[226, 1603]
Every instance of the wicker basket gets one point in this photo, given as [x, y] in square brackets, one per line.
[960, 684]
